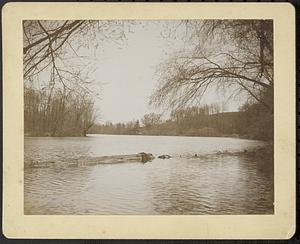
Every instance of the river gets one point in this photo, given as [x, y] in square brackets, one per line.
[213, 184]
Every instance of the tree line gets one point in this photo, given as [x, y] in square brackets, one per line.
[57, 113]
[253, 121]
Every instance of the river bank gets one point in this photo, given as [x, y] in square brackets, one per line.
[246, 137]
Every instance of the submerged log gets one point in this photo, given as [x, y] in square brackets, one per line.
[86, 161]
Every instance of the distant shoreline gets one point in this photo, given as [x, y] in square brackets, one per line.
[218, 136]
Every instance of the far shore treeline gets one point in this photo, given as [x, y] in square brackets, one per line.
[75, 118]
[251, 122]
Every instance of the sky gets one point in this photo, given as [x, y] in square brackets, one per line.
[126, 74]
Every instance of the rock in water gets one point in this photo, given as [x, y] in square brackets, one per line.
[146, 157]
[164, 156]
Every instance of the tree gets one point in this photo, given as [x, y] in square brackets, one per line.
[65, 114]
[151, 119]
[61, 49]
[235, 54]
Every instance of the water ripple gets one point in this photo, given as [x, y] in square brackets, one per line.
[214, 184]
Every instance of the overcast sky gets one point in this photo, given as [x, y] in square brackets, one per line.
[127, 73]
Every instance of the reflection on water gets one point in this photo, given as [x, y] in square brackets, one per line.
[217, 184]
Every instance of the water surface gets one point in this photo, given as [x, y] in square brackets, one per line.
[213, 184]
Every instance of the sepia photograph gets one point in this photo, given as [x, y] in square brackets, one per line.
[148, 117]
[149, 120]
